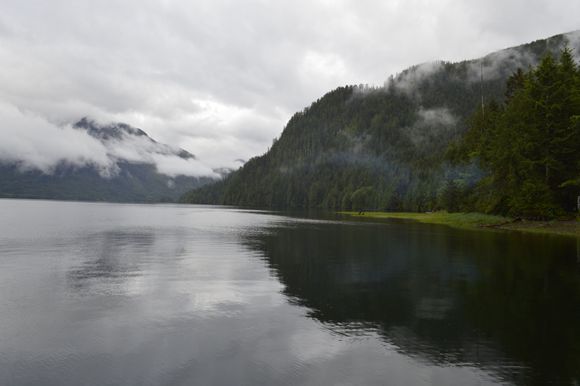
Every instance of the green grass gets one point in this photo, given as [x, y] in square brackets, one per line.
[479, 221]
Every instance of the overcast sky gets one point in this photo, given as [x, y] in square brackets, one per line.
[221, 78]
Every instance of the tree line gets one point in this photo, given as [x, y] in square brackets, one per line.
[529, 145]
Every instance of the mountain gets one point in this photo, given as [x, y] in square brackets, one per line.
[130, 174]
[121, 132]
[380, 147]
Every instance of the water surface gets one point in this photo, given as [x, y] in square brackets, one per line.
[111, 294]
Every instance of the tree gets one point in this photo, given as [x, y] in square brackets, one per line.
[363, 198]
[450, 196]
[530, 146]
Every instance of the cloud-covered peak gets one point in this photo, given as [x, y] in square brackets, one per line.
[130, 144]
[114, 133]
[107, 132]
[32, 142]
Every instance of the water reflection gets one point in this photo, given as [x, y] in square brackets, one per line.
[110, 255]
[167, 295]
[117, 260]
[505, 303]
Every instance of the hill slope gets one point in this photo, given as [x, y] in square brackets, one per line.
[381, 147]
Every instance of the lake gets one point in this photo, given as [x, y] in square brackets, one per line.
[127, 294]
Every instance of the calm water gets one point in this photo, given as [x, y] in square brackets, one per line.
[108, 294]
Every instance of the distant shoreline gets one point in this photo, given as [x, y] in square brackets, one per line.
[481, 222]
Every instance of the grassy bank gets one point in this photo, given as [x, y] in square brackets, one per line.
[480, 221]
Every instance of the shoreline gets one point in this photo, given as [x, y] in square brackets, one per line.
[478, 221]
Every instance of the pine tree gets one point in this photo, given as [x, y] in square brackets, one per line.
[531, 145]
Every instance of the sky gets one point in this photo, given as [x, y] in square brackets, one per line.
[220, 78]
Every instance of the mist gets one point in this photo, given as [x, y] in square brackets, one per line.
[33, 143]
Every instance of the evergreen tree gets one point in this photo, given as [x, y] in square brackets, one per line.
[531, 145]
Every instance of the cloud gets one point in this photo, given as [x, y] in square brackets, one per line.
[174, 166]
[431, 123]
[409, 80]
[32, 142]
[436, 117]
[37, 144]
[573, 40]
[221, 78]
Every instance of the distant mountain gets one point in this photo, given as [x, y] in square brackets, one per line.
[131, 175]
[384, 146]
[121, 132]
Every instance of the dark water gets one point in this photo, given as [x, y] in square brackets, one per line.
[106, 294]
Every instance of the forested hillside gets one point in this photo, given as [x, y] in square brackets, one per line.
[386, 147]
[529, 146]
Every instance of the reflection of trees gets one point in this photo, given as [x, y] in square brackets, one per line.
[492, 300]
[529, 300]
[114, 255]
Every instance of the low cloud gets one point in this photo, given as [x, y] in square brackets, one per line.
[174, 166]
[573, 40]
[439, 117]
[431, 123]
[409, 80]
[32, 142]
[500, 64]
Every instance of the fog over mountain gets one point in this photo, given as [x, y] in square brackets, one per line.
[97, 162]
[42, 146]
[220, 78]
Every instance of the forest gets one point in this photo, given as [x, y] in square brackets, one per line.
[528, 146]
[426, 141]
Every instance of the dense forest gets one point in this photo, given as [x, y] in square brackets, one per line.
[529, 146]
[425, 141]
